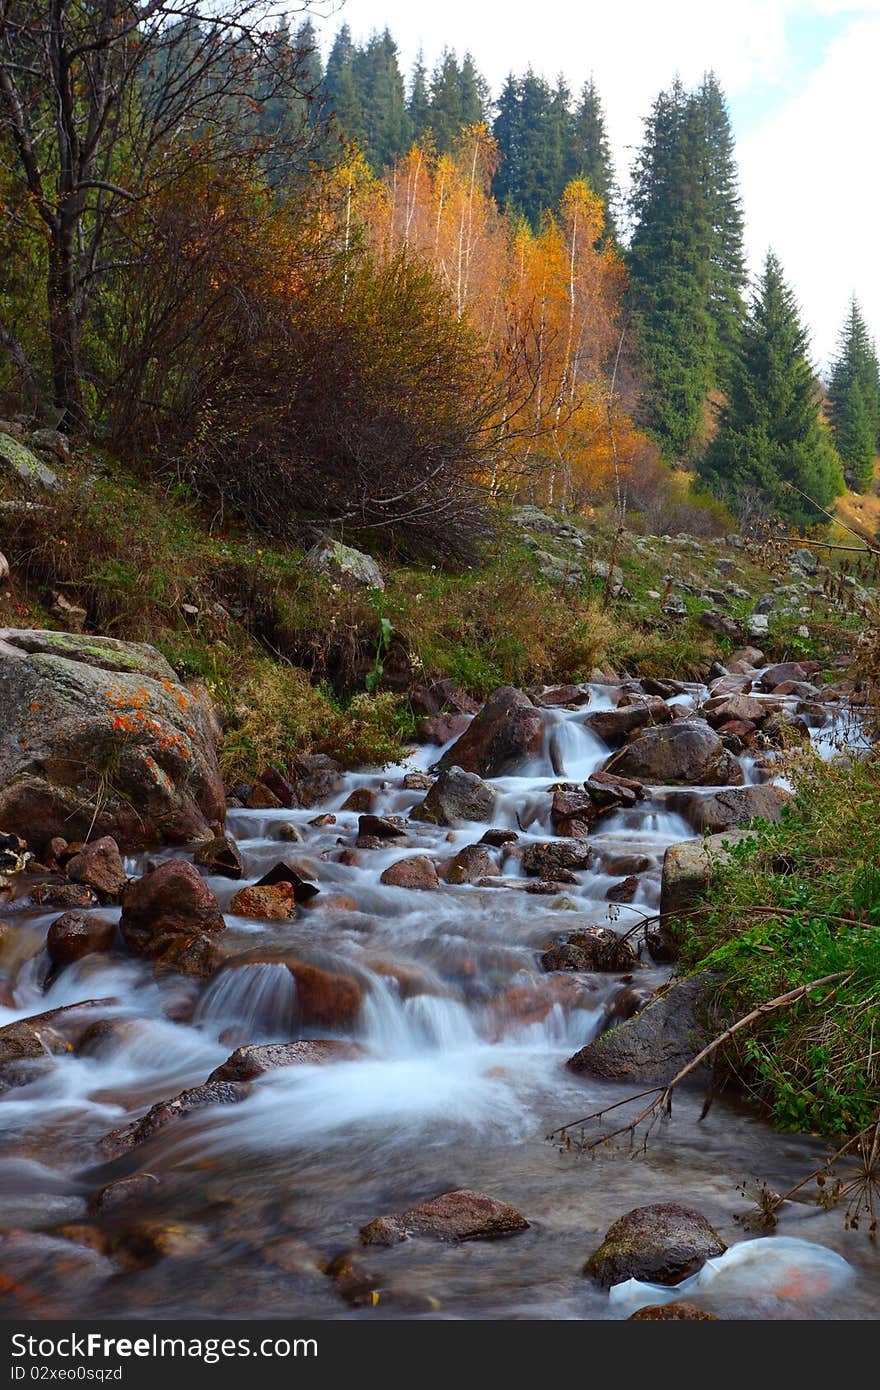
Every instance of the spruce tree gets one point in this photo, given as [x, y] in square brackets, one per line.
[383, 101]
[530, 130]
[419, 105]
[670, 274]
[854, 415]
[686, 261]
[727, 258]
[343, 98]
[588, 155]
[474, 92]
[770, 435]
[507, 129]
[446, 106]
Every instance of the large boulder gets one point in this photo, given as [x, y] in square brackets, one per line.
[724, 810]
[344, 565]
[455, 797]
[78, 934]
[660, 1244]
[99, 738]
[458, 1215]
[415, 871]
[614, 725]
[508, 731]
[654, 1045]
[687, 751]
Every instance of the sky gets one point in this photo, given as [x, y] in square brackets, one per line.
[800, 77]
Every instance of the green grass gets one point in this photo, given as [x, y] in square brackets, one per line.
[799, 902]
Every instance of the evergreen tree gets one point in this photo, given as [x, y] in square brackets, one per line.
[419, 105]
[727, 258]
[343, 97]
[770, 433]
[855, 414]
[446, 107]
[507, 129]
[856, 437]
[474, 93]
[529, 128]
[379, 85]
[670, 274]
[686, 260]
[587, 153]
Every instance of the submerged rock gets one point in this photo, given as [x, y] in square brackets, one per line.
[658, 1244]
[122, 1140]
[457, 1215]
[78, 934]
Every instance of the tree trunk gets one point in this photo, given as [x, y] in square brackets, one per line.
[64, 330]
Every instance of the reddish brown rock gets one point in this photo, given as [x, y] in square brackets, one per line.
[592, 949]
[673, 1312]
[686, 751]
[623, 892]
[65, 895]
[782, 672]
[614, 725]
[361, 799]
[171, 900]
[122, 1140]
[468, 866]
[546, 858]
[279, 786]
[78, 934]
[458, 1215]
[416, 871]
[274, 902]
[98, 865]
[262, 798]
[124, 1193]
[440, 728]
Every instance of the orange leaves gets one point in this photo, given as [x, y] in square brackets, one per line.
[545, 306]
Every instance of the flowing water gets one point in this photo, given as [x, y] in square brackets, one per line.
[460, 1076]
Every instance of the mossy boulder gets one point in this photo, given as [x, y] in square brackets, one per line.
[18, 461]
[100, 738]
[659, 1244]
[344, 564]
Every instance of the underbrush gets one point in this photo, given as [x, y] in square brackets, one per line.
[800, 902]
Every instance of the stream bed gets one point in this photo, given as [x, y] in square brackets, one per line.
[458, 1076]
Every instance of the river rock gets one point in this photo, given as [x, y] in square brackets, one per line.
[688, 867]
[325, 998]
[101, 738]
[615, 725]
[658, 1042]
[725, 810]
[344, 564]
[64, 895]
[508, 732]
[659, 1244]
[457, 1215]
[456, 797]
[171, 916]
[99, 866]
[673, 1312]
[416, 871]
[686, 751]
[468, 866]
[220, 856]
[275, 902]
[722, 709]
[546, 858]
[782, 672]
[78, 934]
[362, 799]
[316, 778]
[165, 1112]
[592, 949]
[247, 1063]
[49, 1033]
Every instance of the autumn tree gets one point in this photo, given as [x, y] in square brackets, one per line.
[104, 104]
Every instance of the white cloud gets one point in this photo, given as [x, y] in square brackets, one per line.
[807, 170]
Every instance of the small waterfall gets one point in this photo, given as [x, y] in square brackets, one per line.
[258, 1001]
[574, 752]
[396, 1027]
